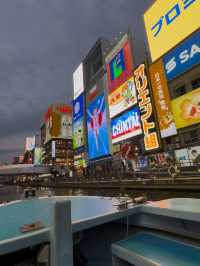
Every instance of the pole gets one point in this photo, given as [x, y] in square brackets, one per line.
[61, 234]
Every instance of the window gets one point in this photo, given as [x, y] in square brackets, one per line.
[179, 91]
[196, 83]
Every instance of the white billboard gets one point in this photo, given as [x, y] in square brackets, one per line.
[30, 143]
[78, 81]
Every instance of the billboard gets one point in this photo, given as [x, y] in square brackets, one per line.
[119, 64]
[182, 58]
[162, 100]
[189, 156]
[122, 98]
[186, 109]
[78, 81]
[58, 122]
[78, 108]
[30, 143]
[38, 156]
[78, 134]
[149, 125]
[98, 144]
[53, 149]
[126, 125]
[168, 23]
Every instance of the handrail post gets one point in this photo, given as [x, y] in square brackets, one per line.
[61, 234]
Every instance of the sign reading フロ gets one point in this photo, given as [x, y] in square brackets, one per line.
[151, 138]
[162, 100]
[182, 58]
[168, 23]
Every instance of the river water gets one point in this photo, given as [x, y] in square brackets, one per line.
[10, 193]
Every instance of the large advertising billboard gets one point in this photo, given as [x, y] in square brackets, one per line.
[186, 109]
[182, 58]
[78, 108]
[162, 100]
[98, 143]
[122, 98]
[168, 23]
[38, 156]
[30, 143]
[78, 134]
[149, 125]
[126, 125]
[58, 122]
[189, 156]
[78, 81]
[119, 64]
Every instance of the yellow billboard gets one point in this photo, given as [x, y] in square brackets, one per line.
[168, 23]
[186, 109]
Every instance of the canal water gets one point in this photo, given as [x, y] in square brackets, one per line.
[10, 193]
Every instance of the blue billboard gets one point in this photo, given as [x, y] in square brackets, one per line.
[98, 144]
[78, 108]
[126, 125]
[182, 58]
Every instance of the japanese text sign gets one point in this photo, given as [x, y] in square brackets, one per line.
[151, 138]
[162, 100]
[170, 22]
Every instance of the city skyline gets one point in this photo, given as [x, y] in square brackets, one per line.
[41, 48]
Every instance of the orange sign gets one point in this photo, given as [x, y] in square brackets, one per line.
[151, 139]
[162, 100]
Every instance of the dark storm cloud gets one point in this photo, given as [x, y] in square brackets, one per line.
[41, 43]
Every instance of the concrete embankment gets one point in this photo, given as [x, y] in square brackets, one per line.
[180, 184]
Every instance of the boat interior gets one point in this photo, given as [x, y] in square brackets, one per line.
[166, 228]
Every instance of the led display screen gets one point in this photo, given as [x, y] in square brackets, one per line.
[98, 144]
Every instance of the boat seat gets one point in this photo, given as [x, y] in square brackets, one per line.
[148, 249]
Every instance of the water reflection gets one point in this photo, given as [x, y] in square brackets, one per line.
[14, 193]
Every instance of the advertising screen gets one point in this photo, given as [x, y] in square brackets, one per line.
[58, 122]
[126, 125]
[162, 100]
[194, 155]
[149, 125]
[168, 23]
[38, 156]
[182, 58]
[78, 81]
[98, 143]
[119, 64]
[186, 109]
[30, 143]
[78, 108]
[78, 134]
[122, 98]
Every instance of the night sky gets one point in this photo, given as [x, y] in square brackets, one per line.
[41, 44]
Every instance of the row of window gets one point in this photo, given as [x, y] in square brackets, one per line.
[179, 91]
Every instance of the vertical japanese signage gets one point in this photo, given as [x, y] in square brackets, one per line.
[162, 100]
[119, 64]
[151, 137]
[168, 23]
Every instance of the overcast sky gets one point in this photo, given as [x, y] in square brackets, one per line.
[41, 44]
